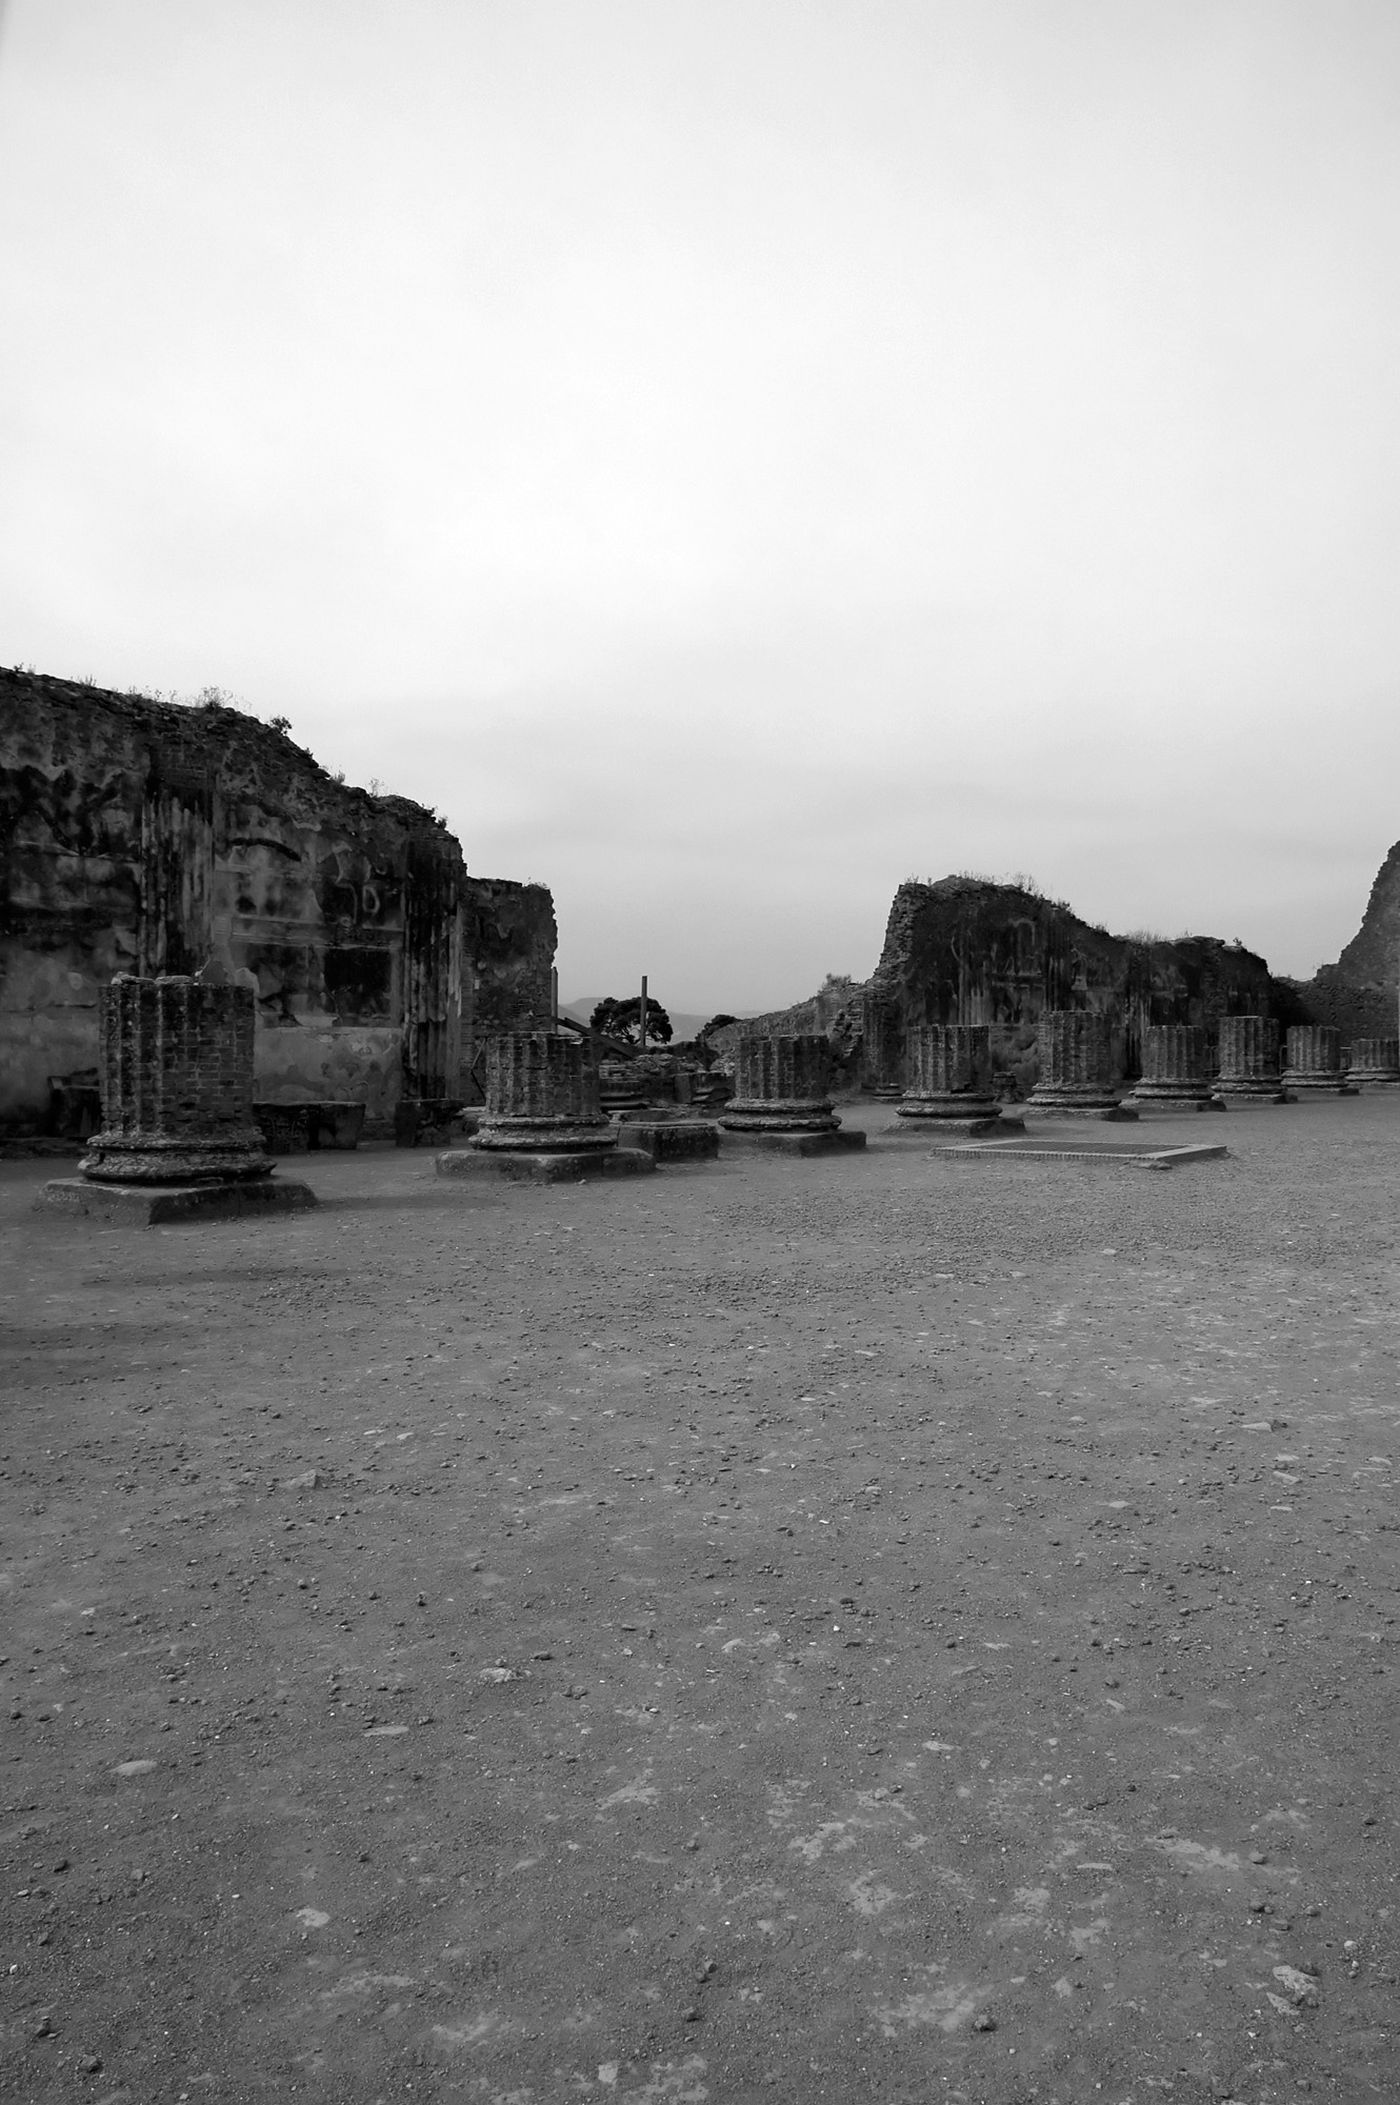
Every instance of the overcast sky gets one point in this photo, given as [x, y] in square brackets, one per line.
[730, 458]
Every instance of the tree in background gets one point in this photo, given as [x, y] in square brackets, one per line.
[716, 1023]
[623, 1019]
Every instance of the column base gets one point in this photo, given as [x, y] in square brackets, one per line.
[1114, 1113]
[153, 1205]
[521, 1166]
[1173, 1104]
[836, 1141]
[1240, 1095]
[671, 1139]
[931, 1130]
[1333, 1086]
[1370, 1084]
[925, 1110]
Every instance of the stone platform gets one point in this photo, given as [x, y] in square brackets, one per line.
[671, 1139]
[531, 1166]
[155, 1205]
[836, 1141]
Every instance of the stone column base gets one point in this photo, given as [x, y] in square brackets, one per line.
[1148, 1104]
[112, 1160]
[931, 1130]
[544, 1136]
[521, 1166]
[837, 1141]
[1240, 1095]
[1114, 1112]
[1333, 1085]
[153, 1205]
[924, 1109]
[1370, 1084]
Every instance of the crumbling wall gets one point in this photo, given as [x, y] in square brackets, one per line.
[965, 951]
[141, 836]
[509, 939]
[1360, 994]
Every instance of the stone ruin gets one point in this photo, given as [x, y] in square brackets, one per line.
[147, 838]
[544, 1118]
[1176, 1070]
[950, 1087]
[782, 1097]
[1360, 995]
[1314, 1062]
[1076, 1078]
[965, 952]
[1374, 1063]
[177, 1140]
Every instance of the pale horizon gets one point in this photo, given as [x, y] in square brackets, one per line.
[729, 459]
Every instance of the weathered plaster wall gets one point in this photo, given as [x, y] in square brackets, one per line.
[140, 836]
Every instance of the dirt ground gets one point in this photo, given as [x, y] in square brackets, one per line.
[866, 1629]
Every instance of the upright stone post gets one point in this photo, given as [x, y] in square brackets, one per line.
[882, 1045]
[1374, 1063]
[1314, 1061]
[178, 1139]
[543, 1118]
[1175, 1070]
[1075, 1073]
[1249, 1060]
[950, 1083]
[782, 1097]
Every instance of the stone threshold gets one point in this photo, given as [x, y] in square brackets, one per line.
[1139, 1155]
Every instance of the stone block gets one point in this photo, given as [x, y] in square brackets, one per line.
[426, 1120]
[156, 1205]
[671, 1139]
[293, 1129]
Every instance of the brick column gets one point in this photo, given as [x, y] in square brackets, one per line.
[1175, 1069]
[950, 1073]
[781, 1085]
[1313, 1064]
[175, 1065]
[542, 1095]
[1249, 1059]
[1374, 1063]
[1074, 1063]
